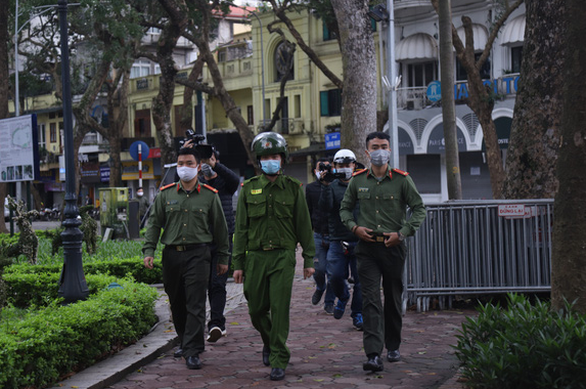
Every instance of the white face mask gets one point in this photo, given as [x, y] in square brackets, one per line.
[186, 173]
[347, 171]
[139, 194]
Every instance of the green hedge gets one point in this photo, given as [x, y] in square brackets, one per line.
[133, 267]
[523, 346]
[50, 342]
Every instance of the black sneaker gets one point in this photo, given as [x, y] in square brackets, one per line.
[339, 310]
[373, 364]
[393, 356]
[316, 298]
[357, 322]
[329, 309]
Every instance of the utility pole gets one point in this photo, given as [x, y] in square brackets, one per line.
[448, 104]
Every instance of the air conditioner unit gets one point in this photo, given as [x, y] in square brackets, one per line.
[414, 104]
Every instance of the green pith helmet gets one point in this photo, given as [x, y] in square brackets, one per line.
[267, 143]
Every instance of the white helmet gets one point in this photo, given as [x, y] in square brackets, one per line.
[344, 156]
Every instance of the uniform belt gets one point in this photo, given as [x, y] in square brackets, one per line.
[379, 238]
[187, 247]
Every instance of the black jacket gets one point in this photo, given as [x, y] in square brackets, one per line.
[226, 182]
[319, 219]
[329, 202]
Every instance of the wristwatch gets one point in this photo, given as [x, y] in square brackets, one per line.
[401, 236]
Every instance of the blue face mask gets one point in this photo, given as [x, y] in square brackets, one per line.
[270, 166]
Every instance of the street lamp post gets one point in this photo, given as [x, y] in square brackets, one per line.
[73, 286]
[391, 71]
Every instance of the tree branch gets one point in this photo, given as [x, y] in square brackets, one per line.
[280, 12]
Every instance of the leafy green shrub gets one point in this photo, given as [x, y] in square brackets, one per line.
[523, 346]
[133, 267]
[46, 344]
[40, 289]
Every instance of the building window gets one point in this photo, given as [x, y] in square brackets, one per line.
[484, 72]
[331, 102]
[42, 136]
[53, 132]
[140, 68]
[142, 123]
[282, 59]
[327, 34]
[250, 115]
[421, 74]
[516, 58]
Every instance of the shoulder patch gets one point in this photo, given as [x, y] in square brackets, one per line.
[167, 186]
[359, 172]
[294, 180]
[210, 188]
[401, 172]
[250, 180]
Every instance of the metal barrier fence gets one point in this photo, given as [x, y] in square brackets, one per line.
[480, 247]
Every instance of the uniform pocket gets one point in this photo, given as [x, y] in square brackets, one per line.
[256, 205]
[363, 195]
[284, 208]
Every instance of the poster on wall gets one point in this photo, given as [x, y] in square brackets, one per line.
[18, 149]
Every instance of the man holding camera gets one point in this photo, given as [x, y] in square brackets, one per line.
[191, 217]
[319, 223]
[226, 182]
[341, 256]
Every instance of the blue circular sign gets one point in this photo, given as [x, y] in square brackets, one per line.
[434, 91]
[144, 150]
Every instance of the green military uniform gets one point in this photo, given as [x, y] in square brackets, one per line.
[271, 218]
[191, 221]
[383, 209]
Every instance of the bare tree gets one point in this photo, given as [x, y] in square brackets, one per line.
[569, 240]
[536, 129]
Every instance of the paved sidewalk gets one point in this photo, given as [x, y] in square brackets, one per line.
[326, 353]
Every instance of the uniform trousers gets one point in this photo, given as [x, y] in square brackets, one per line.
[382, 324]
[185, 277]
[268, 281]
[217, 291]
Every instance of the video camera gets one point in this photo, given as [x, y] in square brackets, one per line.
[327, 174]
[198, 141]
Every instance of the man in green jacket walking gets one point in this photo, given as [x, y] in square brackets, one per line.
[381, 225]
[271, 217]
[191, 216]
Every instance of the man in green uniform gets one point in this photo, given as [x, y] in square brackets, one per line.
[381, 225]
[271, 217]
[191, 216]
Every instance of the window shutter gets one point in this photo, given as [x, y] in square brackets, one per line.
[324, 102]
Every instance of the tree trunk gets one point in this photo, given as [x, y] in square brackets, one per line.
[359, 70]
[448, 104]
[569, 240]
[4, 87]
[535, 132]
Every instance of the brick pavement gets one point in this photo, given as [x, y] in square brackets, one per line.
[326, 353]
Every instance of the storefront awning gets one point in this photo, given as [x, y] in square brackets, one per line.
[417, 46]
[514, 31]
[480, 36]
